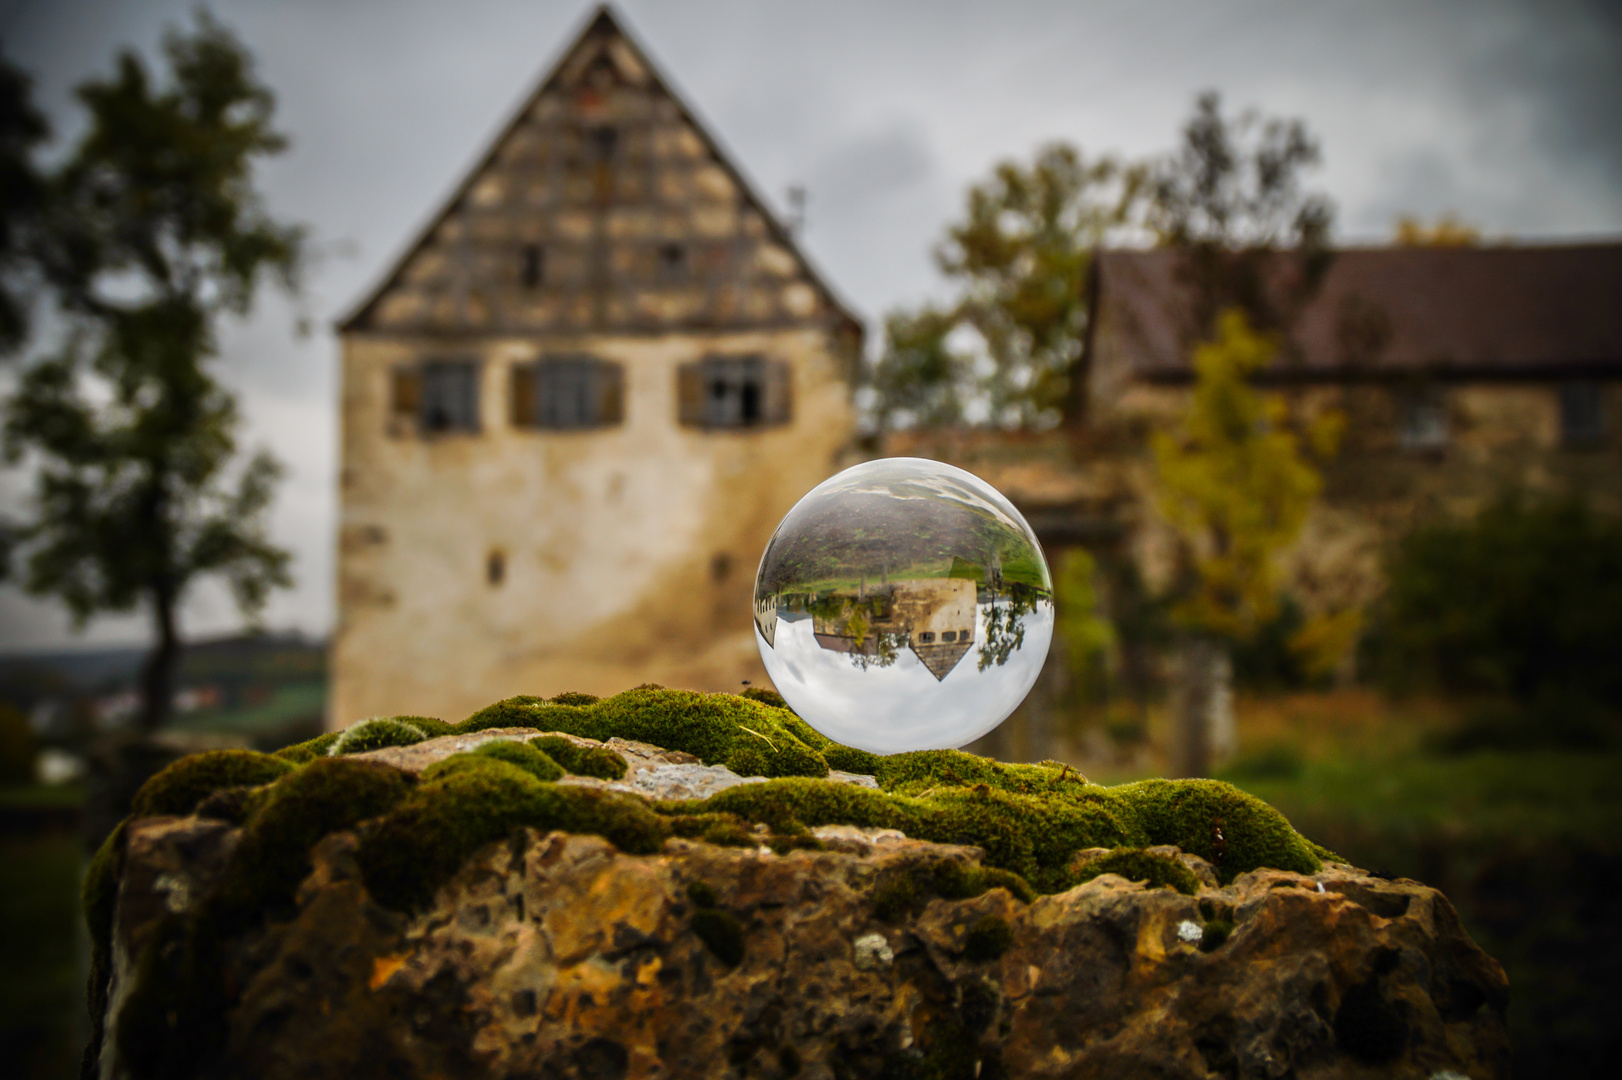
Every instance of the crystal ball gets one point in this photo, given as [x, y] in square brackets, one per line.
[903, 604]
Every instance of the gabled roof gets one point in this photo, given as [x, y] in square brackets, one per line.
[1467, 312]
[546, 146]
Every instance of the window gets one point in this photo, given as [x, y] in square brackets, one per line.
[568, 392]
[495, 567]
[672, 261]
[532, 266]
[436, 397]
[734, 392]
[926, 637]
[950, 635]
[1423, 420]
[1582, 414]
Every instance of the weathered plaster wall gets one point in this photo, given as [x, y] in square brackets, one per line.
[629, 551]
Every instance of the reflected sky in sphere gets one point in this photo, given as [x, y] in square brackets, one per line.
[903, 605]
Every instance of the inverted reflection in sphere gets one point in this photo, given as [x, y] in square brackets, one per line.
[903, 605]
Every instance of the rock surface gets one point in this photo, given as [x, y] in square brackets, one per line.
[556, 955]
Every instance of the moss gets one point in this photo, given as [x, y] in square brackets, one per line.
[179, 787]
[421, 844]
[719, 729]
[598, 761]
[98, 898]
[570, 697]
[523, 755]
[307, 751]
[273, 856]
[770, 698]
[1233, 831]
[906, 893]
[1216, 934]
[987, 938]
[726, 830]
[1135, 864]
[377, 733]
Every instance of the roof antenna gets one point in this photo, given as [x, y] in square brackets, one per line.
[796, 211]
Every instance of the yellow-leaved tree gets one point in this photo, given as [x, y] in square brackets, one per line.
[1235, 482]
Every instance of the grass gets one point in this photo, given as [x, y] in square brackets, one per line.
[41, 989]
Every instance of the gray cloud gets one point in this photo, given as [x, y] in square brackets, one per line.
[1504, 112]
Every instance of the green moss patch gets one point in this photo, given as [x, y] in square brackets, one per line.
[419, 845]
[988, 937]
[1035, 829]
[1135, 864]
[598, 761]
[747, 737]
[523, 755]
[378, 733]
[180, 786]
[906, 893]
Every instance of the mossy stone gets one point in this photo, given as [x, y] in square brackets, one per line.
[180, 786]
[1235, 832]
[988, 937]
[719, 729]
[523, 755]
[597, 761]
[423, 842]
[377, 733]
[1135, 864]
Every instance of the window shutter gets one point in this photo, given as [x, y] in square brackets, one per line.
[690, 393]
[405, 395]
[610, 393]
[778, 407]
[522, 390]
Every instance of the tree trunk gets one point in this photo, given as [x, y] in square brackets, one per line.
[1202, 708]
[158, 675]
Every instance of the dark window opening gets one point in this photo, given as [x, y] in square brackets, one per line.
[926, 637]
[605, 142]
[1423, 420]
[1582, 414]
[720, 566]
[734, 392]
[672, 261]
[449, 396]
[950, 635]
[568, 392]
[495, 567]
[533, 268]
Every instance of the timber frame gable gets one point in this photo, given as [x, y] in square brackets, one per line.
[603, 205]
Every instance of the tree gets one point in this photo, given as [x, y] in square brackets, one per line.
[1524, 603]
[1235, 484]
[1448, 231]
[153, 232]
[1230, 199]
[22, 128]
[1007, 344]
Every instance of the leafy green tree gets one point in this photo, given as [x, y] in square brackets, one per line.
[1235, 484]
[153, 232]
[1019, 258]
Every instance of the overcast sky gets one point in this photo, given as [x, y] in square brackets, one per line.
[1506, 114]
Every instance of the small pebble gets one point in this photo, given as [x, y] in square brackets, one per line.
[1189, 930]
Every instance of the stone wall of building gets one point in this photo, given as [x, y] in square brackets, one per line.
[627, 553]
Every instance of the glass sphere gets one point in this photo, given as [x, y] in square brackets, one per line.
[903, 605]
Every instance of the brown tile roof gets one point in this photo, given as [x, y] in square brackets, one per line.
[1466, 312]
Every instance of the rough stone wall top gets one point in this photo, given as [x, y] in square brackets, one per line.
[604, 206]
